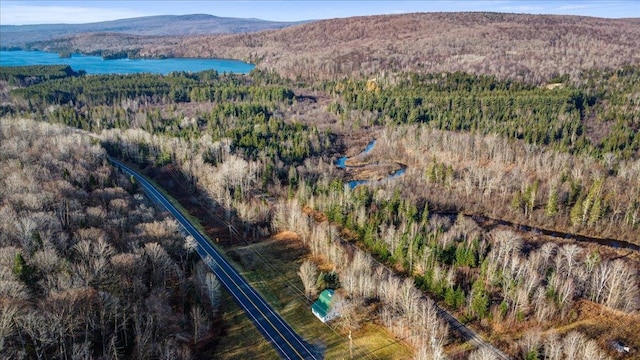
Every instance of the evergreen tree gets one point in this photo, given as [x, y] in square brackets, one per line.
[22, 270]
[552, 204]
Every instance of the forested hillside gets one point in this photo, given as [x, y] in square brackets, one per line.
[165, 25]
[533, 48]
[89, 269]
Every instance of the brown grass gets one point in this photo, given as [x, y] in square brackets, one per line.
[605, 325]
[240, 338]
[271, 267]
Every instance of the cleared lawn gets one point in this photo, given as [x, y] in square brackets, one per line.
[240, 338]
[271, 267]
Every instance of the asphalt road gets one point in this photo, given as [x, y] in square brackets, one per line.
[288, 344]
[469, 334]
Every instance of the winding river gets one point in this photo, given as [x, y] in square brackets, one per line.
[342, 163]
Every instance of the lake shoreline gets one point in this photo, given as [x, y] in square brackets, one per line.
[97, 64]
[138, 57]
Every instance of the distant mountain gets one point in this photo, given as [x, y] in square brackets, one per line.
[532, 48]
[164, 25]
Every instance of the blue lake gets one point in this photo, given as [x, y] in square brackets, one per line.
[97, 65]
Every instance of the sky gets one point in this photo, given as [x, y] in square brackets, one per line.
[13, 12]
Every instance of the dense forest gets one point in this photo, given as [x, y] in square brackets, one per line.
[596, 118]
[531, 48]
[484, 159]
[89, 268]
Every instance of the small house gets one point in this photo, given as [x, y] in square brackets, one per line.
[324, 308]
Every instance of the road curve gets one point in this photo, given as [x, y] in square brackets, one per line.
[281, 336]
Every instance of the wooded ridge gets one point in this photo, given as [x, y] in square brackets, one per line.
[532, 48]
[163, 25]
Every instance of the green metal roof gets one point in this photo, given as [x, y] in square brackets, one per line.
[323, 304]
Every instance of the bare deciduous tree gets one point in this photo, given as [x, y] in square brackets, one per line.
[482, 354]
[199, 322]
[308, 274]
[214, 291]
[573, 344]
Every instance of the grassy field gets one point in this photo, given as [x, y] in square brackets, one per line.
[240, 339]
[271, 267]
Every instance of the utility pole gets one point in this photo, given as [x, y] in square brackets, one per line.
[350, 346]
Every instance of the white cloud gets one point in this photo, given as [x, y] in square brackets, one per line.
[573, 7]
[38, 14]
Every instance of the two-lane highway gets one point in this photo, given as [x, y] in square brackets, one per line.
[288, 344]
